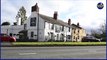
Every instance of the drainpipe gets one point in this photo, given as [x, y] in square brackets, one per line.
[38, 28]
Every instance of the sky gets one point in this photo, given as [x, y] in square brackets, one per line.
[83, 11]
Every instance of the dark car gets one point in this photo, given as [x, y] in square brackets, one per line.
[90, 39]
[7, 38]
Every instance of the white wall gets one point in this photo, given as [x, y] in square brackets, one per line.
[34, 28]
[48, 30]
[12, 29]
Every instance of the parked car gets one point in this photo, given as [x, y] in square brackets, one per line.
[7, 38]
[90, 39]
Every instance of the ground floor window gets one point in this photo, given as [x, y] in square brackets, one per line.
[52, 36]
[57, 36]
[62, 37]
[32, 34]
[10, 34]
[78, 37]
[69, 36]
[74, 37]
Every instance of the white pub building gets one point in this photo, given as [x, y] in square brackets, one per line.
[40, 27]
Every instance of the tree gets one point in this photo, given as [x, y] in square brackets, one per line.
[95, 33]
[103, 28]
[21, 14]
[100, 33]
[6, 23]
[103, 31]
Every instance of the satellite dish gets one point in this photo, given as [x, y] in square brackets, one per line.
[100, 5]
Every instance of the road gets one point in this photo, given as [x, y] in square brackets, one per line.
[72, 52]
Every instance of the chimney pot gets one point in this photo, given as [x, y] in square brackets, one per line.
[35, 8]
[69, 21]
[55, 15]
[78, 24]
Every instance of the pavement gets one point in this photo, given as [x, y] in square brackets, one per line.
[62, 52]
[6, 44]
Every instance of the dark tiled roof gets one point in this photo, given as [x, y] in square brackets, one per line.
[23, 31]
[51, 20]
[74, 25]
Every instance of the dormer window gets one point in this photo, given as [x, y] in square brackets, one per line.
[33, 21]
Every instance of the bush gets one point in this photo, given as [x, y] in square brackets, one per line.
[103, 39]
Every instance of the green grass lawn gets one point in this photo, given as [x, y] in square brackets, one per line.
[58, 43]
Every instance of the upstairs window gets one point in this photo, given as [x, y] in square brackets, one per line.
[62, 28]
[52, 27]
[33, 21]
[57, 29]
[78, 31]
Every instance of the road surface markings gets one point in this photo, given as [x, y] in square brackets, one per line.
[27, 53]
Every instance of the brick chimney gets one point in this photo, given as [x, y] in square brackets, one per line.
[35, 8]
[55, 15]
[78, 24]
[69, 21]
